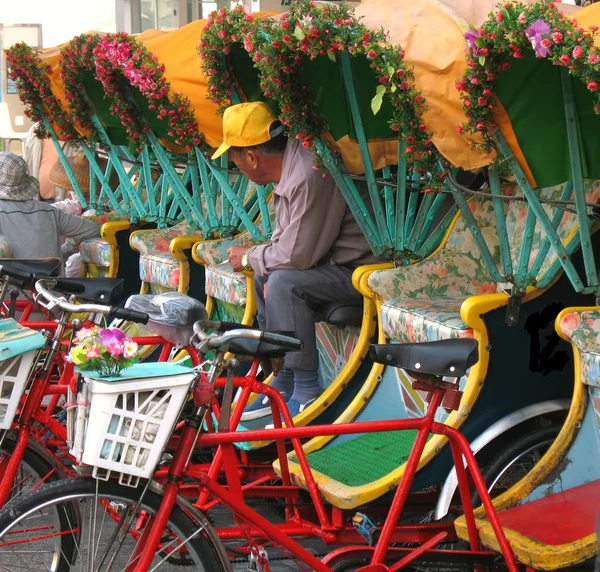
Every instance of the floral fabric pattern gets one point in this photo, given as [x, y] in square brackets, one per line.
[454, 271]
[160, 269]
[96, 251]
[223, 284]
[583, 328]
[105, 217]
[155, 241]
[414, 321]
[215, 251]
[516, 219]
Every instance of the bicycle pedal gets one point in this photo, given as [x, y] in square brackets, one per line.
[256, 559]
[365, 527]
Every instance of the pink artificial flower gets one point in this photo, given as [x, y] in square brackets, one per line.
[115, 350]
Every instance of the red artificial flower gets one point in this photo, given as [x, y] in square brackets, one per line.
[565, 59]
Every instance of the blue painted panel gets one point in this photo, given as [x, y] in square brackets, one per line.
[16, 340]
[582, 463]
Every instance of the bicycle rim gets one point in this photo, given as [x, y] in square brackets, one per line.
[73, 525]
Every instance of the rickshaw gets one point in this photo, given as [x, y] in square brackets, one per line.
[561, 488]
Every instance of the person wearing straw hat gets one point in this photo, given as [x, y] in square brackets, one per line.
[32, 227]
[71, 204]
[314, 249]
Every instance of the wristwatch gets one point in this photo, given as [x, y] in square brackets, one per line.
[245, 261]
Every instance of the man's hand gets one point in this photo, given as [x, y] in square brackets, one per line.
[235, 254]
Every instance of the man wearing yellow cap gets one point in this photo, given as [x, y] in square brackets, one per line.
[314, 249]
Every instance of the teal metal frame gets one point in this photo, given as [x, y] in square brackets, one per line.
[397, 218]
[527, 274]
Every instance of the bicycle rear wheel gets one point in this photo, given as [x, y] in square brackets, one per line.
[74, 525]
[33, 470]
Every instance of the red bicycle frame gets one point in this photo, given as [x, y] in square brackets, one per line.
[254, 525]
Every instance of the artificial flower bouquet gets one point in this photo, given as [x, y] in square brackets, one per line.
[107, 351]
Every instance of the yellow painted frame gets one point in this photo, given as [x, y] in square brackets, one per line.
[528, 551]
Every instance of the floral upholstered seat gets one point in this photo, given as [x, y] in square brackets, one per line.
[582, 329]
[159, 240]
[222, 283]
[98, 251]
[5, 247]
[158, 265]
[160, 269]
[422, 302]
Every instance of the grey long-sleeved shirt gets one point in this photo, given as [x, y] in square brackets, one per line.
[314, 224]
[34, 228]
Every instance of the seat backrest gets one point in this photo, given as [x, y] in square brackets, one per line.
[454, 270]
[543, 263]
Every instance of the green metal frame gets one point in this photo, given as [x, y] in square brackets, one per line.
[397, 218]
[520, 273]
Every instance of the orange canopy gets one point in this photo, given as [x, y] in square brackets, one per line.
[177, 51]
[432, 36]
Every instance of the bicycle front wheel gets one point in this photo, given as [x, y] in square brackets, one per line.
[86, 525]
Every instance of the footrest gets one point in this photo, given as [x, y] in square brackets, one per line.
[553, 532]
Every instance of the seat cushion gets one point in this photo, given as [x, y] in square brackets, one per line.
[155, 241]
[161, 269]
[96, 251]
[414, 321]
[222, 283]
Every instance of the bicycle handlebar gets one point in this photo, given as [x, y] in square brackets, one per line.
[15, 273]
[61, 302]
[281, 340]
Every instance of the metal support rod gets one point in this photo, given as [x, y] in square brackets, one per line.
[353, 199]
[539, 212]
[557, 218]
[484, 250]
[350, 88]
[573, 138]
[500, 215]
[65, 163]
[129, 189]
[400, 232]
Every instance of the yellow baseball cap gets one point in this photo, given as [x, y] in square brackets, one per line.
[245, 125]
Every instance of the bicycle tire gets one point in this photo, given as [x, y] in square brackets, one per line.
[34, 469]
[66, 545]
[540, 438]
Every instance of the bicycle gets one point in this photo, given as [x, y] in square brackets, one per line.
[144, 531]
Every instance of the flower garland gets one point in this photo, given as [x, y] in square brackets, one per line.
[514, 29]
[77, 59]
[279, 49]
[31, 75]
[120, 56]
[223, 28]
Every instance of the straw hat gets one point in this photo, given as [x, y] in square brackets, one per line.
[15, 183]
[81, 169]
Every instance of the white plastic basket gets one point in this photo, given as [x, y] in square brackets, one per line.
[129, 421]
[14, 373]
